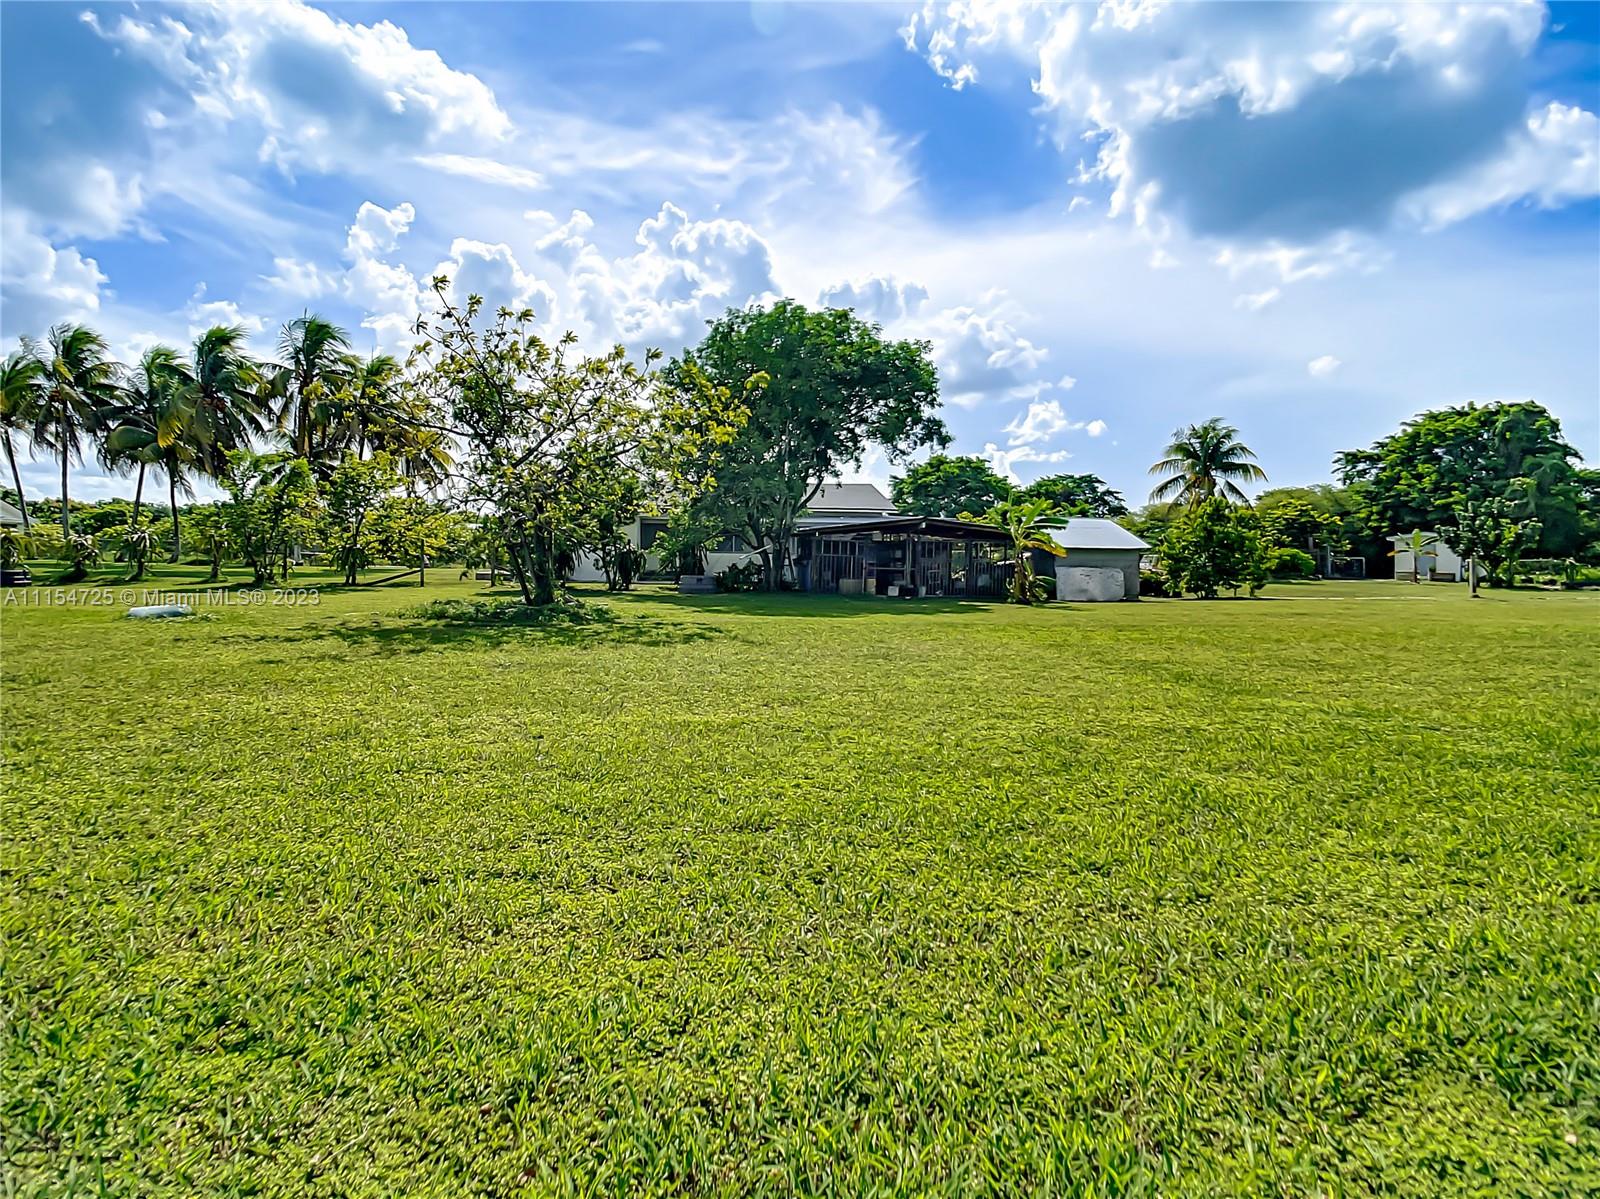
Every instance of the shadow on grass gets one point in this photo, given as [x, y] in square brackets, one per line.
[420, 636]
[804, 604]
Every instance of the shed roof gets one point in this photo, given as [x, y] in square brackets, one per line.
[1095, 533]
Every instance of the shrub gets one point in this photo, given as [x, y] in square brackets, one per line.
[1154, 583]
[79, 553]
[510, 612]
[1286, 563]
[741, 576]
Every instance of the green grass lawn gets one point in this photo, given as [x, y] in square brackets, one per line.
[742, 895]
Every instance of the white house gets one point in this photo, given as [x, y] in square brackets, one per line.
[1437, 563]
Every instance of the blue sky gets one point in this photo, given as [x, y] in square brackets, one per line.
[1315, 221]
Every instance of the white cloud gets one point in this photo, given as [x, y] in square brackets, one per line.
[203, 314]
[1204, 115]
[980, 354]
[1553, 161]
[1321, 368]
[42, 283]
[1005, 461]
[1095, 428]
[1256, 301]
[377, 230]
[1042, 421]
[484, 170]
[298, 279]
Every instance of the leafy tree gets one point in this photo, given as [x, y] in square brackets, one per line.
[548, 436]
[833, 387]
[1215, 546]
[1205, 461]
[269, 508]
[413, 532]
[353, 491]
[80, 383]
[1490, 532]
[1151, 522]
[1027, 524]
[949, 486]
[209, 527]
[21, 398]
[1078, 495]
[1294, 522]
[308, 382]
[148, 427]
[1419, 477]
[368, 411]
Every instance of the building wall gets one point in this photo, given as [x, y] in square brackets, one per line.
[1126, 561]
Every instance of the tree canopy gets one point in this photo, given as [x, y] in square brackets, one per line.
[834, 387]
[1077, 495]
[1420, 476]
[948, 486]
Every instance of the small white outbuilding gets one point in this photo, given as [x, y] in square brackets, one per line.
[1101, 562]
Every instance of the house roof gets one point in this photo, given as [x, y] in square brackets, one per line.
[9, 516]
[928, 526]
[864, 498]
[1095, 533]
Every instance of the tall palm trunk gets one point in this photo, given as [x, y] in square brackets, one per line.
[16, 477]
[138, 497]
[172, 498]
[66, 517]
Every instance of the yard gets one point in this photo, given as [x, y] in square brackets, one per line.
[737, 895]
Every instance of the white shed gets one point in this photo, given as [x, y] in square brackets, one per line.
[1101, 562]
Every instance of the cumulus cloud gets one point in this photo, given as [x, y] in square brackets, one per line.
[1321, 368]
[36, 277]
[980, 353]
[298, 279]
[1288, 123]
[203, 314]
[879, 298]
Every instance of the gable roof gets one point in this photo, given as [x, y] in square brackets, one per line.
[8, 515]
[1095, 533]
[864, 498]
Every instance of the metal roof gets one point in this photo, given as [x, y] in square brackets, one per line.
[927, 526]
[9, 515]
[1095, 533]
[864, 498]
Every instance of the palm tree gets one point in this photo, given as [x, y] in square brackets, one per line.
[21, 394]
[1203, 461]
[421, 455]
[224, 412]
[367, 409]
[152, 425]
[80, 383]
[306, 384]
[1026, 523]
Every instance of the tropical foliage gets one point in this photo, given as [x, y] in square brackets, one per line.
[948, 486]
[1215, 547]
[1203, 462]
[1026, 524]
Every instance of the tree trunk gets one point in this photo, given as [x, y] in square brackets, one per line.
[138, 496]
[1472, 578]
[172, 499]
[66, 518]
[16, 477]
[519, 568]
